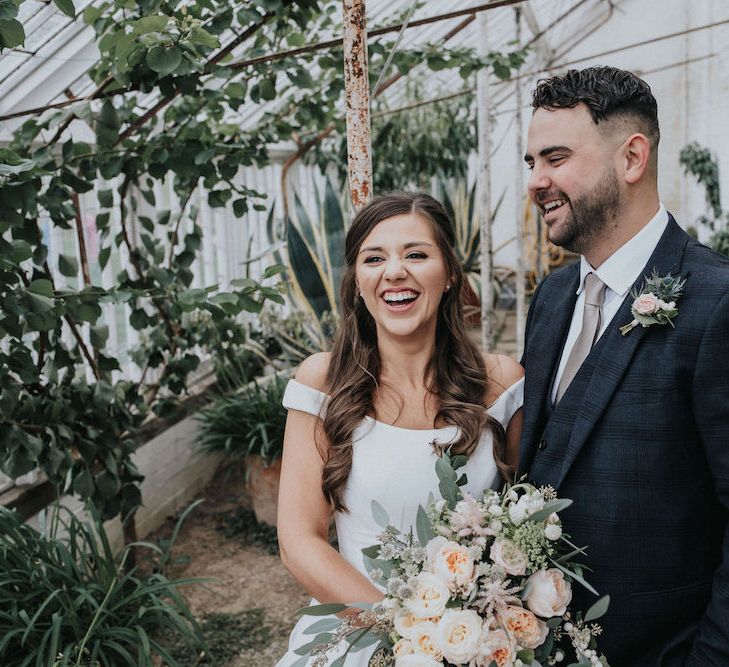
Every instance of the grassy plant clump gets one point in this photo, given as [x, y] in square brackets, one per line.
[242, 525]
[73, 602]
[227, 636]
[249, 422]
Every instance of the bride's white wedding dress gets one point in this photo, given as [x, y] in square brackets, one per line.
[396, 467]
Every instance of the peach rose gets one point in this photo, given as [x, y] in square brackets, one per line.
[496, 647]
[528, 630]
[646, 304]
[548, 593]
[451, 562]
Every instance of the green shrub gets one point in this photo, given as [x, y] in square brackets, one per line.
[72, 602]
[246, 423]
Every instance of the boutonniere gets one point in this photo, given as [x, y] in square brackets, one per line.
[655, 303]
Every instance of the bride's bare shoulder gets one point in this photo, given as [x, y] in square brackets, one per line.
[313, 371]
[502, 372]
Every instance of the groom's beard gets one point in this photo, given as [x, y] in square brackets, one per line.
[589, 215]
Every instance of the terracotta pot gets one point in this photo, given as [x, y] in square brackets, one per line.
[262, 488]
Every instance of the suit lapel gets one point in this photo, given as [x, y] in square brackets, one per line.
[615, 351]
[547, 339]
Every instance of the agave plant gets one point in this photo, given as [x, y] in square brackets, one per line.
[459, 202]
[315, 247]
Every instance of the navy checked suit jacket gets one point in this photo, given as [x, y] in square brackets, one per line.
[640, 443]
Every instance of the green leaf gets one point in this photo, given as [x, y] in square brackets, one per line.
[99, 335]
[11, 34]
[68, 266]
[8, 10]
[84, 483]
[274, 270]
[240, 207]
[201, 37]
[164, 60]
[380, 514]
[150, 24]
[66, 6]
[106, 198]
[423, 527]
[268, 89]
[556, 505]
[42, 287]
[574, 576]
[108, 484]
[322, 609]
[598, 609]
[104, 255]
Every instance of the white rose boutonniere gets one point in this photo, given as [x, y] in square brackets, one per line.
[656, 302]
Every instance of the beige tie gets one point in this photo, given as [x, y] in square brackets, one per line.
[591, 321]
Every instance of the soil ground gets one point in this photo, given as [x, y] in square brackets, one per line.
[242, 576]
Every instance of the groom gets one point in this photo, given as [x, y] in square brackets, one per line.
[633, 428]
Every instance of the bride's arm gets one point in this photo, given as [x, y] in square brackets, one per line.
[304, 514]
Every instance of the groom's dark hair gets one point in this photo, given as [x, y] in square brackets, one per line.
[609, 93]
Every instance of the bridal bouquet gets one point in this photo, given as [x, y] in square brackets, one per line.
[482, 581]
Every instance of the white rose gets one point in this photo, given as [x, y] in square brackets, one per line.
[425, 641]
[507, 555]
[496, 647]
[452, 562]
[459, 635]
[553, 531]
[403, 647]
[548, 594]
[519, 510]
[404, 623]
[430, 596]
[417, 660]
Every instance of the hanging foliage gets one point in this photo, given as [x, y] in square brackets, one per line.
[163, 112]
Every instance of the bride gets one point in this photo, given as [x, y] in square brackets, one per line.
[366, 420]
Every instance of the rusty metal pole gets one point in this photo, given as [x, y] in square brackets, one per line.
[357, 91]
[483, 114]
[519, 205]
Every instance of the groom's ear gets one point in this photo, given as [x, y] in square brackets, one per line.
[636, 155]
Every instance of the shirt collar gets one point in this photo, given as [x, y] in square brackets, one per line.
[622, 268]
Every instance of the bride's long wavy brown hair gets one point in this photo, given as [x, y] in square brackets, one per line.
[456, 374]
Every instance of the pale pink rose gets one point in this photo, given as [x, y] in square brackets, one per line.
[646, 304]
[527, 629]
[548, 593]
[453, 563]
[459, 635]
[496, 647]
[507, 555]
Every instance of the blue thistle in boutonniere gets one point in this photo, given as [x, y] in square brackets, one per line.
[655, 303]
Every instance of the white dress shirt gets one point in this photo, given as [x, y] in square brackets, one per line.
[618, 272]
